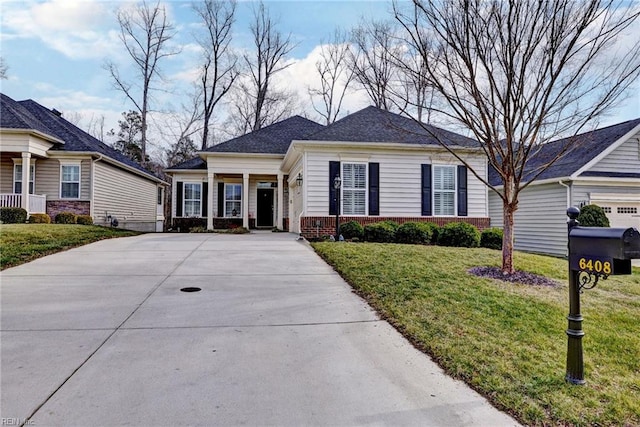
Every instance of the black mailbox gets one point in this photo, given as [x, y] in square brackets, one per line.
[605, 251]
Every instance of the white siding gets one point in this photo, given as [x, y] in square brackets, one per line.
[625, 158]
[400, 180]
[540, 223]
[614, 196]
[128, 197]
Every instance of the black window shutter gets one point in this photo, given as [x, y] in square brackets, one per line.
[374, 188]
[334, 170]
[204, 203]
[179, 199]
[462, 190]
[426, 190]
[220, 199]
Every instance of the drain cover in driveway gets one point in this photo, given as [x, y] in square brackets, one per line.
[190, 289]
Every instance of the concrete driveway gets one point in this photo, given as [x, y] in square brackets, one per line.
[102, 335]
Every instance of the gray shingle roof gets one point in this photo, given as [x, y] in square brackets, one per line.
[31, 115]
[273, 139]
[585, 148]
[375, 125]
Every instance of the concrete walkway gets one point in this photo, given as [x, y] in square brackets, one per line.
[102, 335]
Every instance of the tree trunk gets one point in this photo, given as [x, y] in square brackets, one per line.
[507, 238]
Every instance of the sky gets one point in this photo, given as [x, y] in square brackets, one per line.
[55, 50]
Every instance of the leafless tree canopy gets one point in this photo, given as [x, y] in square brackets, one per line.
[375, 49]
[335, 77]
[256, 102]
[218, 70]
[4, 68]
[520, 73]
[145, 33]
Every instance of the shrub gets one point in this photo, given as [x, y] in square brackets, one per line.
[66, 218]
[381, 232]
[84, 220]
[13, 215]
[593, 216]
[352, 230]
[39, 218]
[417, 233]
[491, 238]
[459, 234]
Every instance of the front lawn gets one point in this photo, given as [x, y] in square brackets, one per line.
[507, 341]
[25, 242]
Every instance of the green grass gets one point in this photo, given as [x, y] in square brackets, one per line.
[25, 242]
[507, 341]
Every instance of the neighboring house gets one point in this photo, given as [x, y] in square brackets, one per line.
[69, 170]
[602, 168]
[282, 176]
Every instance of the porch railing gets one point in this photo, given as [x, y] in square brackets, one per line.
[37, 203]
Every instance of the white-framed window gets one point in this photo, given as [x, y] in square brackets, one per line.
[192, 199]
[17, 178]
[70, 181]
[354, 188]
[444, 190]
[232, 200]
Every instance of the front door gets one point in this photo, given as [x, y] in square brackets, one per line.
[265, 207]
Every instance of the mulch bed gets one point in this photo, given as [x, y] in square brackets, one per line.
[522, 277]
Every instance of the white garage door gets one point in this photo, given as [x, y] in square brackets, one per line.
[623, 210]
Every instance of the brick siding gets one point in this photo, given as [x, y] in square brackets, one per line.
[78, 207]
[328, 223]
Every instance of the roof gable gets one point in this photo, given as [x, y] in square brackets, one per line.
[29, 114]
[586, 148]
[373, 125]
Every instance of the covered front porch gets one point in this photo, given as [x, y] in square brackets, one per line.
[18, 189]
[228, 199]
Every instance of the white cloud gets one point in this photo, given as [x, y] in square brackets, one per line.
[76, 28]
[302, 75]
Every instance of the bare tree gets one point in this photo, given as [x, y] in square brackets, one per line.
[256, 100]
[372, 60]
[145, 33]
[519, 73]
[335, 77]
[218, 70]
[4, 69]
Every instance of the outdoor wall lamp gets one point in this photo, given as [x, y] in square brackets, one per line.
[337, 183]
[299, 180]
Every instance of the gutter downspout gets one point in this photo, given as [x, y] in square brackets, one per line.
[93, 184]
[568, 192]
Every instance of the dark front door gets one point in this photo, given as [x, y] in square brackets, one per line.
[265, 207]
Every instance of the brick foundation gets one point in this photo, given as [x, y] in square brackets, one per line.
[327, 225]
[78, 207]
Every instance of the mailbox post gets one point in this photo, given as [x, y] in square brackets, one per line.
[575, 362]
[594, 253]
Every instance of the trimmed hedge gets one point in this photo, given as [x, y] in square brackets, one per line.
[66, 218]
[593, 216]
[491, 238]
[84, 220]
[13, 215]
[417, 233]
[459, 234]
[351, 230]
[39, 218]
[381, 232]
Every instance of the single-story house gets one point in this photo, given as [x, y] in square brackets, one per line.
[602, 168]
[48, 165]
[283, 176]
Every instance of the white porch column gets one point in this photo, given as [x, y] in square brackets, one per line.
[245, 200]
[210, 201]
[26, 168]
[280, 220]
